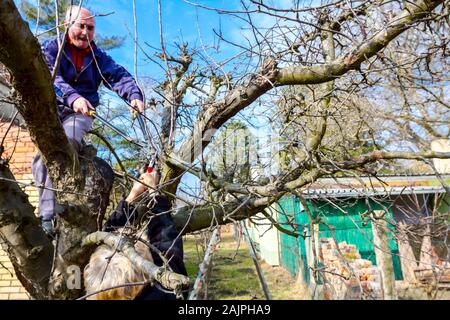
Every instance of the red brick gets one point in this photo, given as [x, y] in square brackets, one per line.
[9, 289]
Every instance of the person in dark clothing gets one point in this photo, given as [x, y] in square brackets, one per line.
[161, 233]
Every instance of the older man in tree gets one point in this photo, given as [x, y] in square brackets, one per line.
[82, 67]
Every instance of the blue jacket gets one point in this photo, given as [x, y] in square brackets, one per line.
[70, 85]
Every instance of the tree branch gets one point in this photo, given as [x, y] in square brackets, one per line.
[259, 197]
[168, 279]
[270, 76]
[352, 60]
[28, 248]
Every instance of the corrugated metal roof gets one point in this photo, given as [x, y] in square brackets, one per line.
[361, 192]
[373, 186]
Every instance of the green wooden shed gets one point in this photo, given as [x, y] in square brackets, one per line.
[349, 224]
[346, 205]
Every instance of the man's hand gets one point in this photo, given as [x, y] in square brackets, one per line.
[137, 104]
[81, 105]
[150, 179]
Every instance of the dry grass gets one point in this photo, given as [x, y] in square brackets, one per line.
[233, 274]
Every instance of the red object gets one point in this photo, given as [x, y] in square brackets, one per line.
[78, 55]
[149, 169]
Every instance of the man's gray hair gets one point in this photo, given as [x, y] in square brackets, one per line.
[73, 12]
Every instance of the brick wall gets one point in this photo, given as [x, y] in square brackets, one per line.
[20, 150]
[10, 287]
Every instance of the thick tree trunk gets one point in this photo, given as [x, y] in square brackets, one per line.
[384, 258]
[82, 187]
[29, 249]
[75, 225]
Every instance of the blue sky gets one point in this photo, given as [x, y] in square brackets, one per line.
[179, 24]
[182, 22]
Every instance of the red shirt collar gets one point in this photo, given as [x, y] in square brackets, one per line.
[78, 54]
[85, 51]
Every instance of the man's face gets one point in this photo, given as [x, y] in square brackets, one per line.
[82, 31]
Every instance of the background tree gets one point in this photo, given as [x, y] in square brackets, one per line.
[230, 154]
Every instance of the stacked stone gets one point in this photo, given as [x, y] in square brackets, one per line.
[347, 276]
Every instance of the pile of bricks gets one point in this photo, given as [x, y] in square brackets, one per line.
[346, 275]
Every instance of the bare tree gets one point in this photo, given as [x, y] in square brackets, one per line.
[333, 50]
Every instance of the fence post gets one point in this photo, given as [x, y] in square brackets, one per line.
[407, 259]
[204, 268]
[384, 257]
[263, 282]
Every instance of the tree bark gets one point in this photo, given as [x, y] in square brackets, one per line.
[384, 258]
[29, 249]
[75, 225]
[20, 52]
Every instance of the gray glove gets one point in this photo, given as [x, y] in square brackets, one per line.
[48, 227]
